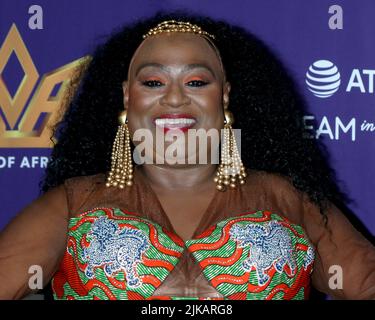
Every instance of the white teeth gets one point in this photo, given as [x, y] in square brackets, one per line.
[176, 121]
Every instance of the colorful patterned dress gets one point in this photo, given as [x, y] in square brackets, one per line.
[236, 253]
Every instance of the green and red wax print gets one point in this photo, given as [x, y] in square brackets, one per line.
[114, 254]
[256, 256]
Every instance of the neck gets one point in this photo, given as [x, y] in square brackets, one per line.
[172, 178]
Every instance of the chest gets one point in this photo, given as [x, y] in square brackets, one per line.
[112, 254]
[185, 212]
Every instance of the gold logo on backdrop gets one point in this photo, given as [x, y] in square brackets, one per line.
[20, 113]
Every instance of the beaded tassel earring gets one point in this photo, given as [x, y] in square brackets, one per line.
[231, 168]
[121, 173]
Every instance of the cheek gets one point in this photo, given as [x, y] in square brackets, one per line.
[139, 106]
[212, 109]
[139, 101]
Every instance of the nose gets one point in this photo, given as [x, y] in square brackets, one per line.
[175, 96]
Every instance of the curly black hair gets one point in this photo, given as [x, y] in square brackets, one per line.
[264, 99]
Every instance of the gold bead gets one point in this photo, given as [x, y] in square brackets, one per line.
[229, 119]
[177, 26]
[220, 187]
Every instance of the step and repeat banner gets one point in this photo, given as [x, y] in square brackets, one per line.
[328, 46]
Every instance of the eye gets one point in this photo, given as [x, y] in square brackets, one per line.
[197, 83]
[152, 83]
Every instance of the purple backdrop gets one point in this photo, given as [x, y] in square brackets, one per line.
[302, 33]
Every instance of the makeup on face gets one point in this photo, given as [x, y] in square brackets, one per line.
[175, 83]
[159, 76]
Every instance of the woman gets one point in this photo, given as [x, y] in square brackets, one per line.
[108, 229]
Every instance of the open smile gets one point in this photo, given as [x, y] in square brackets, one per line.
[181, 122]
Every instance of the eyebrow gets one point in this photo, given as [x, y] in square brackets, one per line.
[166, 68]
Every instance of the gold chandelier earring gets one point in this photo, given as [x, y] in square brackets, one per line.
[121, 173]
[231, 170]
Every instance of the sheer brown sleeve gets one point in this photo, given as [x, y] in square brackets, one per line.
[339, 246]
[81, 193]
[35, 237]
[345, 260]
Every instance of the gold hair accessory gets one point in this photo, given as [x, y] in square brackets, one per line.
[121, 173]
[177, 26]
[231, 168]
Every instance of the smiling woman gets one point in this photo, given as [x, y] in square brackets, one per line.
[106, 228]
[175, 82]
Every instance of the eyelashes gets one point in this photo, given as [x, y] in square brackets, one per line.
[197, 83]
[154, 83]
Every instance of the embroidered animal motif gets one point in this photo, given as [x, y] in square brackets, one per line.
[309, 258]
[270, 244]
[114, 249]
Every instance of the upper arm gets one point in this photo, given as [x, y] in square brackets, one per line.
[36, 236]
[341, 252]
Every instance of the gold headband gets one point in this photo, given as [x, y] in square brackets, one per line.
[177, 26]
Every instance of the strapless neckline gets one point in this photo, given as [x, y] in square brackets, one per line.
[116, 254]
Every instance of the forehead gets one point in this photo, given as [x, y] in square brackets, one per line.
[176, 49]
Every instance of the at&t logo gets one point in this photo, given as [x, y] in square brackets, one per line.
[323, 79]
